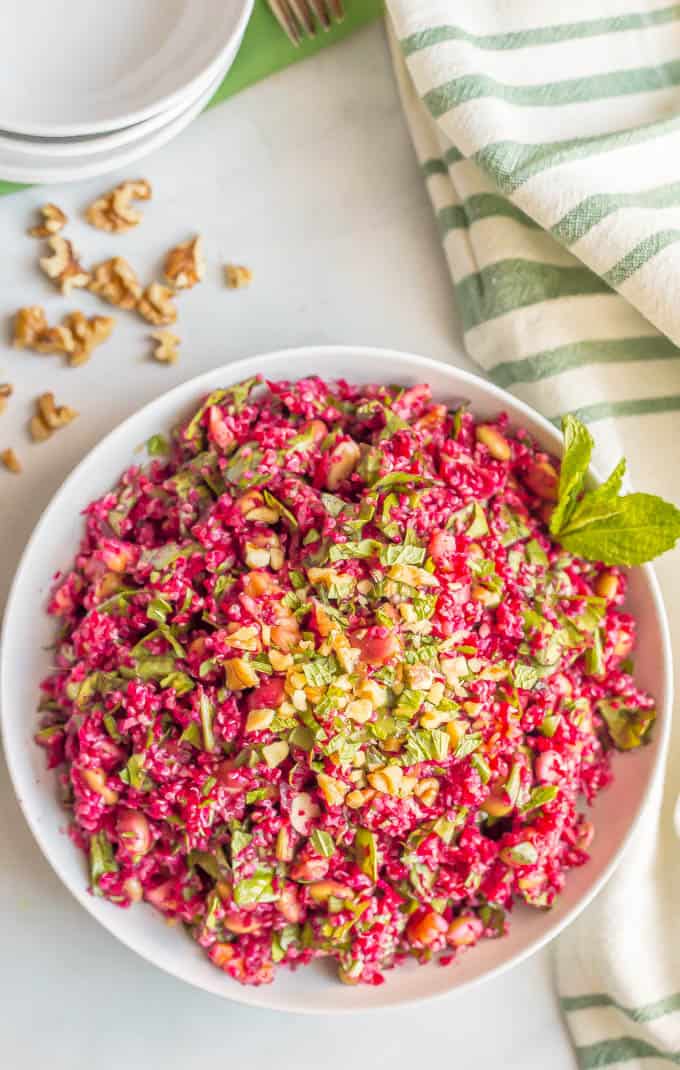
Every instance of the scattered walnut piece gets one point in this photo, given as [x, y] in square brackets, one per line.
[86, 334]
[53, 220]
[166, 350]
[237, 276]
[63, 266]
[156, 305]
[116, 282]
[31, 331]
[11, 461]
[49, 417]
[185, 264]
[114, 212]
[6, 391]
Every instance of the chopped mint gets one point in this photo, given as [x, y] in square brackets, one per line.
[323, 843]
[101, 859]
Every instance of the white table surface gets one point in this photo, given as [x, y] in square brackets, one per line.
[309, 178]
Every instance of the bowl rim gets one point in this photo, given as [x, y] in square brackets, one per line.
[232, 373]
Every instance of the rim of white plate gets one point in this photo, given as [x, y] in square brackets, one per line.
[232, 373]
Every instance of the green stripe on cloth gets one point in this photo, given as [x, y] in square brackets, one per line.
[647, 1013]
[512, 163]
[551, 94]
[592, 210]
[511, 284]
[434, 167]
[480, 206]
[266, 50]
[564, 358]
[541, 35]
[640, 255]
[622, 1050]
[605, 410]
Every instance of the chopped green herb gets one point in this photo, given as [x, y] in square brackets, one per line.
[255, 889]
[101, 859]
[323, 843]
[367, 852]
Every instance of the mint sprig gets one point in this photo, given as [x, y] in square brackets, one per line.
[602, 524]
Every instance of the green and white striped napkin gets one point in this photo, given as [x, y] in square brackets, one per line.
[549, 138]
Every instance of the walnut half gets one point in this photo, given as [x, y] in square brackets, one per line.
[114, 212]
[63, 266]
[165, 352]
[53, 220]
[86, 334]
[11, 461]
[49, 417]
[185, 264]
[116, 282]
[237, 276]
[31, 331]
[156, 305]
[6, 391]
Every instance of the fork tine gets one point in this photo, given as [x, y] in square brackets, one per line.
[305, 21]
[319, 9]
[281, 12]
[336, 9]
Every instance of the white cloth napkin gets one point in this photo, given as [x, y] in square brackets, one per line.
[549, 138]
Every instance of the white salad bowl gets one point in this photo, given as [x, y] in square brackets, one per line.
[28, 634]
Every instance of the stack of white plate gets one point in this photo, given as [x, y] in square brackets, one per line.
[87, 87]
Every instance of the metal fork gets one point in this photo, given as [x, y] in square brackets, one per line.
[302, 18]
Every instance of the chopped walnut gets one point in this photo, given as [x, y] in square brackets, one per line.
[166, 350]
[116, 282]
[6, 391]
[114, 212]
[63, 266]
[49, 417]
[156, 305]
[31, 331]
[86, 334]
[237, 276]
[53, 220]
[185, 264]
[11, 461]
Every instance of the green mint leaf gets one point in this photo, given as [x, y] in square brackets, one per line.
[367, 852]
[256, 889]
[599, 503]
[578, 448]
[101, 859]
[643, 527]
[628, 727]
[323, 843]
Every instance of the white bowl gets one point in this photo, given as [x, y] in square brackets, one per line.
[93, 144]
[18, 165]
[25, 659]
[63, 76]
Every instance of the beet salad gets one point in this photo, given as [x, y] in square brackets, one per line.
[325, 685]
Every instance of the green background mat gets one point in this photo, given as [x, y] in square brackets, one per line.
[266, 49]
